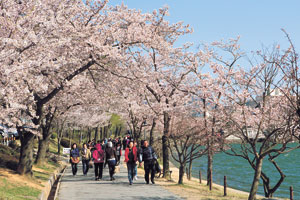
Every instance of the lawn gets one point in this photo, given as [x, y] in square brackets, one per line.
[14, 186]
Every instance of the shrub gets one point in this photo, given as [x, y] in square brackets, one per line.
[13, 144]
[5, 149]
[53, 135]
[8, 161]
[65, 142]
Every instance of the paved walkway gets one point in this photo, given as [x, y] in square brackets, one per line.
[85, 187]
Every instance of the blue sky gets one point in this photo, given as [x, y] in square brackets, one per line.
[257, 22]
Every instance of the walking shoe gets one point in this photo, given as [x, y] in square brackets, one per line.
[130, 183]
[135, 178]
[153, 182]
[96, 179]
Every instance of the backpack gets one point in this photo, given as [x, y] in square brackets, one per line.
[98, 155]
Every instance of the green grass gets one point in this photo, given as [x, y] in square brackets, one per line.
[53, 147]
[41, 175]
[13, 190]
[16, 192]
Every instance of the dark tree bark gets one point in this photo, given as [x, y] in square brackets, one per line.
[80, 136]
[166, 167]
[119, 131]
[151, 131]
[105, 131]
[209, 163]
[190, 166]
[45, 139]
[59, 137]
[101, 133]
[26, 153]
[89, 134]
[73, 133]
[181, 173]
[116, 131]
[255, 183]
[96, 134]
[70, 136]
[269, 191]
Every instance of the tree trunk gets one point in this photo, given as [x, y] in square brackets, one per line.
[45, 139]
[151, 131]
[105, 131]
[119, 131]
[42, 150]
[209, 164]
[73, 134]
[80, 136]
[166, 168]
[58, 145]
[26, 153]
[116, 131]
[69, 133]
[255, 183]
[181, 173]
[96, 134]
[89, 134]
[190, 168]
[101, 133]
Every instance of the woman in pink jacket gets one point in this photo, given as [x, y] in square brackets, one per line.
[98, 156]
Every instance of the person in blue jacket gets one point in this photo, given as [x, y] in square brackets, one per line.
[148, 156]
[74, 158]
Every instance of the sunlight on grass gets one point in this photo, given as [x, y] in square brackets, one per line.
[16, 192]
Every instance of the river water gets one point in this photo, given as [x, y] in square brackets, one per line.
[240, 174]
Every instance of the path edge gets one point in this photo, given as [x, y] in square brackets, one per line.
[48, 186]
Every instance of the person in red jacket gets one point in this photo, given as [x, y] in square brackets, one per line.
[98, 156]
[131, 159]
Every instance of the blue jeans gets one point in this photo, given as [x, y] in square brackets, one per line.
[131, 171]
[85, 166]
[111, 167]
[74, 168]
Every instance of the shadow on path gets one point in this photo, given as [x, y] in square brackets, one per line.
[85, 187]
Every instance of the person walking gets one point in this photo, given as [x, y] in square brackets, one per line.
[85, 159]
[131, 159]
[74, 158]
[119, 153]
[148, 156]
[98, 156]
[124, 143]
[111, 157]
[138, 153]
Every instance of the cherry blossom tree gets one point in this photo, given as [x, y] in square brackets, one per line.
[253, 111]
[186, 139]
[46, 44]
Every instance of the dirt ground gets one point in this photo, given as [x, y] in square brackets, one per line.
[192, 190]
[17, 179]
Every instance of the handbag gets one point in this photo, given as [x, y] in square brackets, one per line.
[91, 164]
[75, 160]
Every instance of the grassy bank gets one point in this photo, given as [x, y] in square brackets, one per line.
[16, 187]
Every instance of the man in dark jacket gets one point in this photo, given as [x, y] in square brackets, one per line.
[148, 156]
[111, 158]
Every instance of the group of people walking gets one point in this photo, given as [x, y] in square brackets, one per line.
[108, 152]
[96, 155]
